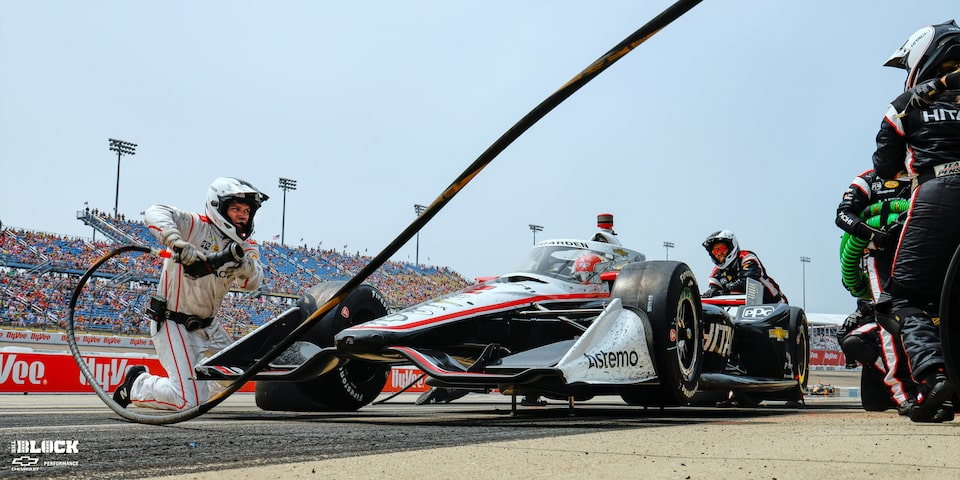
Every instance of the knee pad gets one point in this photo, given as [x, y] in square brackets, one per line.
[855, 348]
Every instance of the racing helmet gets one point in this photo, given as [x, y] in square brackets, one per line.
[925, 51]
[222, 191]
[586, 266]
[723, 248]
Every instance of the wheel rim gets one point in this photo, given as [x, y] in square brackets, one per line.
[804, 361]
[688, 334]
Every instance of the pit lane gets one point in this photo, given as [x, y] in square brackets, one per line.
[478, 437]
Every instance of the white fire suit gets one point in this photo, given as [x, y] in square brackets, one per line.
[178, 349]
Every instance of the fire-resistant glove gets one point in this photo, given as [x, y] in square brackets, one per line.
[923, 94]
[187, 254]
[245, 269]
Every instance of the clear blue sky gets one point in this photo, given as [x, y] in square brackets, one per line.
[748, 115]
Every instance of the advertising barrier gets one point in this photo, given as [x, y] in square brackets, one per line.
[35, 372]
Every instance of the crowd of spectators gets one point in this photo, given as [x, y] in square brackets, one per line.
[40, 270]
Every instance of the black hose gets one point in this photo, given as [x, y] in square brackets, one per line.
[159, 419]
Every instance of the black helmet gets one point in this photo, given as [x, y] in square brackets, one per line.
[925, 51]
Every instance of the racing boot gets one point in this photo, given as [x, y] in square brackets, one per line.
[933, 403]
[122, 394]
[904, 408]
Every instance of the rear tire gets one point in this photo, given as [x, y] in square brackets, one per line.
[350, 385]
[667, 292]
[949, 326]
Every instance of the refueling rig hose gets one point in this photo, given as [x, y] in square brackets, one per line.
[852, 248]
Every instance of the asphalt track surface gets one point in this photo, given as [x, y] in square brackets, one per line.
[479, 437]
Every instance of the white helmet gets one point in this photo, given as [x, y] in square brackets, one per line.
[925, 51]
[727, 239]
[221, 192]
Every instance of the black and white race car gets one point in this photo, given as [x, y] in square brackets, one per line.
[577, 319]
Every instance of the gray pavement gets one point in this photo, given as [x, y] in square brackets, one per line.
[478, 437]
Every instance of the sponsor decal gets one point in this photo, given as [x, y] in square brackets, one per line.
[20, 372]
[345, 312]
[33, 455]
[621, 359]
[566, 243]
[16, 335]
[779, 333]
[107, 373]
[756, 312]
[718, 338]
[891, 184]
[940, 115]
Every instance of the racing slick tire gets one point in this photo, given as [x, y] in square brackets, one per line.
[949, 323]
[667, 292]
[349, 386]
[800, 352]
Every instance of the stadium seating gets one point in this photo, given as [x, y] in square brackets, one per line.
[41, 269]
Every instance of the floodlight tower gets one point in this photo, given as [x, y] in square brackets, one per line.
[535, 229]
[418, 209]
[667, 246]
[122, 148]
[286, 185]
[803, 263]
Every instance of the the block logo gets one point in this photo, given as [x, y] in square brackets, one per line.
[26, 454]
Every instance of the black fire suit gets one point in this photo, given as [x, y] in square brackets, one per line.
[924, 141]
[733, 279]
[885, 376]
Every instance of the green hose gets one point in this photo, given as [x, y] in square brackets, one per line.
[852, 248]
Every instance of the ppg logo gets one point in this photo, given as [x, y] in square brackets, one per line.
[754, 313]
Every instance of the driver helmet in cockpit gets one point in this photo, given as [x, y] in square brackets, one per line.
[586, 266]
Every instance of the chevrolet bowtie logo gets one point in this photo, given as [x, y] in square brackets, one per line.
[25, 461]
[779, 333]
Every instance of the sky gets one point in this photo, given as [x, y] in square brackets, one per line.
[748, 115]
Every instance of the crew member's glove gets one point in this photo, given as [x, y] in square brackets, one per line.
[922, 95]
[865, 232]
[245, 269]
[883, 238]
[709, 293]
[186, 253]
[889, 236]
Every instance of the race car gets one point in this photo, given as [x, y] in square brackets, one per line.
[576, 319]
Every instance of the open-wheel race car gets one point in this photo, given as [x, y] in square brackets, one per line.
[576, 319]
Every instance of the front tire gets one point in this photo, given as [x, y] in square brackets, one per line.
[352, 384]
[667, 292]
[800, 356]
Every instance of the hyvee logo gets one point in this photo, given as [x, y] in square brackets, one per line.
[19, 371]
[19, 447]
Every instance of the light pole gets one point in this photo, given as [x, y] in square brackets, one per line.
[535, 229]
[803, 263]
[667, 246]
[286, 184]
[418, 209]
[122, 148]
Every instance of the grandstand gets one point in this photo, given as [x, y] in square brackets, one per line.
[40, 271]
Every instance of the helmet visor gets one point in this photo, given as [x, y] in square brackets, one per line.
[719, 252]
